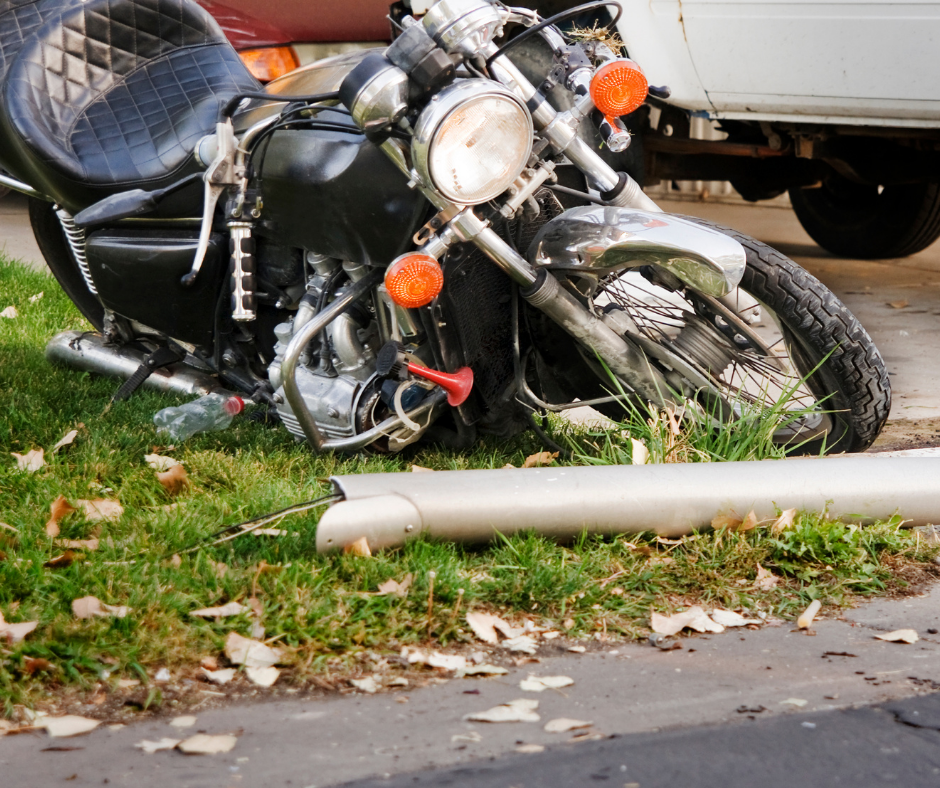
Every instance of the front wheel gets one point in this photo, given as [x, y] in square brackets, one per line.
[781, 339]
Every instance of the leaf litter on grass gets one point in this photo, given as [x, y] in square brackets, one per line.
[325, 610]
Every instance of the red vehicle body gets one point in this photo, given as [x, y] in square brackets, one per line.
[250, 24]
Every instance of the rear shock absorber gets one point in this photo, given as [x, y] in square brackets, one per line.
[242, 248]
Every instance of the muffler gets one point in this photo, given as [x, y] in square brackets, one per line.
[89, 352]
[671, 500]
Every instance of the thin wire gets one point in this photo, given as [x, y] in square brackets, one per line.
[230, 532]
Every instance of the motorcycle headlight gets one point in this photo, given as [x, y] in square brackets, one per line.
[472, 141]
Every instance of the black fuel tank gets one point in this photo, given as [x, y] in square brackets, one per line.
[336, 193]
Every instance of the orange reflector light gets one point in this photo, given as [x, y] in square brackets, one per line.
[270, 63]
[619, 87]
[414, 280]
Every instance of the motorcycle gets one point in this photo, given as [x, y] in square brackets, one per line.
[426, 242]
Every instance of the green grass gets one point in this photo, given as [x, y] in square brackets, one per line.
[322, 608]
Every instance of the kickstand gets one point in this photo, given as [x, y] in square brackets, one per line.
[161, 357]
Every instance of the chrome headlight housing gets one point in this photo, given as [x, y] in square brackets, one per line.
[472, 141]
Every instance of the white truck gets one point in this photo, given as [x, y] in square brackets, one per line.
[835, 101]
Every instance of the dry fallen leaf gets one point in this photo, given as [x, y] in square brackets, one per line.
[899, 304]
[65, 440]
[37, 665]
[522, 710]
[90, 606]
[419, 469]
[263, 677]
[749, 523]
[14, 633]
[30, 462]
[435, 659]
[530, 749]
[485, 626]
[541, 458]
[765, 579]
[899, 636]
[798, 702]
[218, 568]
[160, 463]
[250, 653]
[183, 722]
[784, 521]
[481, 670]
[203, 744]
[67, 558]
[564, 725]
[9, 313]
[806, 618]
[151, 747]
[223, 676]
[230, 609]
[366, 685]
[639, 455]
[523, 644]
[68, 725]
[175, 480]
[101, 509]
[728, 618]
[394, 587]
[59, 508]
[693, 618]
[360, 547]
[728, 521]
[78, 544]
[542, 683]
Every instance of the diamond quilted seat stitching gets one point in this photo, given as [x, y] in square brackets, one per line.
[113, 94]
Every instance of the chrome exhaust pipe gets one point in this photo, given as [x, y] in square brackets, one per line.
[90, 353]
[671, 500]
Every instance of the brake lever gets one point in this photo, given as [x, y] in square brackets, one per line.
[220, 174]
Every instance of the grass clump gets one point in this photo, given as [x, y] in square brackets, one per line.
[324, 610]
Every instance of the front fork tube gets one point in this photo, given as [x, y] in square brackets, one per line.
[541, 289]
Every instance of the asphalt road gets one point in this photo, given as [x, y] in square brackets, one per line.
[895, 744]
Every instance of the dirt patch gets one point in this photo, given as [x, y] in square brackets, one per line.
[908, 577]
[908, 434]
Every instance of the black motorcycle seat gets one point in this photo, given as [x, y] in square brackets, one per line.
[19, 19]
[112, 95]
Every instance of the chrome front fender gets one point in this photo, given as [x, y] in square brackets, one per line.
[596, 241]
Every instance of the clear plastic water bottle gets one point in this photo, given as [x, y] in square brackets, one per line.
[207, 414]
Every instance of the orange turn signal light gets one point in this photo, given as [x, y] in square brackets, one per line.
[619, 87]
[414, 280]
[270, 62]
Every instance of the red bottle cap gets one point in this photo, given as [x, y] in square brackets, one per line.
[234, 405]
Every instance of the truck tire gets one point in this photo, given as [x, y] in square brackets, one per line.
[857, 221]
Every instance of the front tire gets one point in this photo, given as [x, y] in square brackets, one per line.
[859, 221]
[827, 348]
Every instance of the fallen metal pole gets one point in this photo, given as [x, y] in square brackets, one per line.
[670, 500]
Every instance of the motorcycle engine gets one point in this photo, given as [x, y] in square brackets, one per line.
[336, 374]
